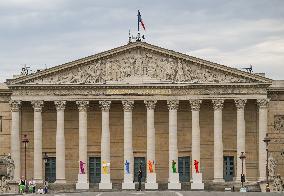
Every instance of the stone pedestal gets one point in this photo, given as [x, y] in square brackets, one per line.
[13, 188]
[82, 182]
[105, 182]
[151, 181]
[174, 181]
[197, 183]
[128, 182]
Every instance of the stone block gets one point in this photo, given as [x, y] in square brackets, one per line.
[151, 181]
[197, 183]
[105, 182]
[82, 182]
[174, 181]
[128, 182]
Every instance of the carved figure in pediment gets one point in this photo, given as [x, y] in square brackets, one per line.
[170, 69]
[137, 64]
[151, 69]
[94, 73]
[180, 73]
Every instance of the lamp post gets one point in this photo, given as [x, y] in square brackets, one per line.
[267, 140]
[45, 159]
[25, 140]
[242, 157]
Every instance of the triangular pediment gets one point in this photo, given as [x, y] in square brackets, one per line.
[139, 63]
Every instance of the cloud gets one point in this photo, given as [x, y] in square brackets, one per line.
[234, 33]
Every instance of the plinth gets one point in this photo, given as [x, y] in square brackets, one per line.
[151, 181]
[82, 182]
[174, 181]
[128, 182]
[197, 183]
[105, 182]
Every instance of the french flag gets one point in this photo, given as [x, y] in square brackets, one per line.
[140, 21]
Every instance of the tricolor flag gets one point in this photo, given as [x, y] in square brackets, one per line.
[140, 21]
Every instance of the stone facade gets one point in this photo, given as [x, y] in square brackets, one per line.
[212, 99]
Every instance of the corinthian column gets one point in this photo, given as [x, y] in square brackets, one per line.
[262, 130]
[218, 140]
[151, 160]
[15, 138]
[60, 142]
[105, 147]
[37, 105]
[128, 149]
[173, 148]
[241, 136]
[195, 134]
[83, 144]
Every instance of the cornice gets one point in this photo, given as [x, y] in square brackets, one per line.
[135, 86]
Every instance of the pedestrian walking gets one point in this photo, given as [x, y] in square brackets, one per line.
[139, 179]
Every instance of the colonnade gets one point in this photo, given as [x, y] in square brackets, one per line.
[128, 105]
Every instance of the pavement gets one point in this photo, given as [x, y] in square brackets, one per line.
[163, 193]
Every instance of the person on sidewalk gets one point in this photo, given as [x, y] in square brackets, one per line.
[22, 185]
[139, 179]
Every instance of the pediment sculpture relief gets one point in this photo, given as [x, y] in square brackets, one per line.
[132, 67]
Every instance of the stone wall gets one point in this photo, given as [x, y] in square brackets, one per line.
[5, 114]
[139, 135]
[276, 132]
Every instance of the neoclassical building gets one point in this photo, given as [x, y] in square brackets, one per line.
[139, 103]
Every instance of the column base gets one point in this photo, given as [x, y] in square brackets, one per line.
[128, 182]
[197, 183]
[151, 181]
[82, 182]
[218, 180]
[60, 181]
[174, 181]
[105, 182]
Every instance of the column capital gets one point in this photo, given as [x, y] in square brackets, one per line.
[172, 104]
[262, 103]
[128, 105]
[195, 104]
[105, 105]
[240, 103]
[82, 105]
[150, 104]
[37, 105]
[15, 105]
[218, 104]
[60, 105]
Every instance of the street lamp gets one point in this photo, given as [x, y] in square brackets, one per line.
[242, 157]
[45, 159]
[25, 140]
[267, 140]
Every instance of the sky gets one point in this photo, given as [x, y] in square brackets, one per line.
[236, 33]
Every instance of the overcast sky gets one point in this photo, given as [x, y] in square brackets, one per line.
[45, 33]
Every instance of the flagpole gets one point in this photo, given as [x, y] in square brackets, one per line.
[138, 21]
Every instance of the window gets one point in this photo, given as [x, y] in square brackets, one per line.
[95, 169]
[184, 168]
[50, 169]
[228, 168]
[139, 161]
